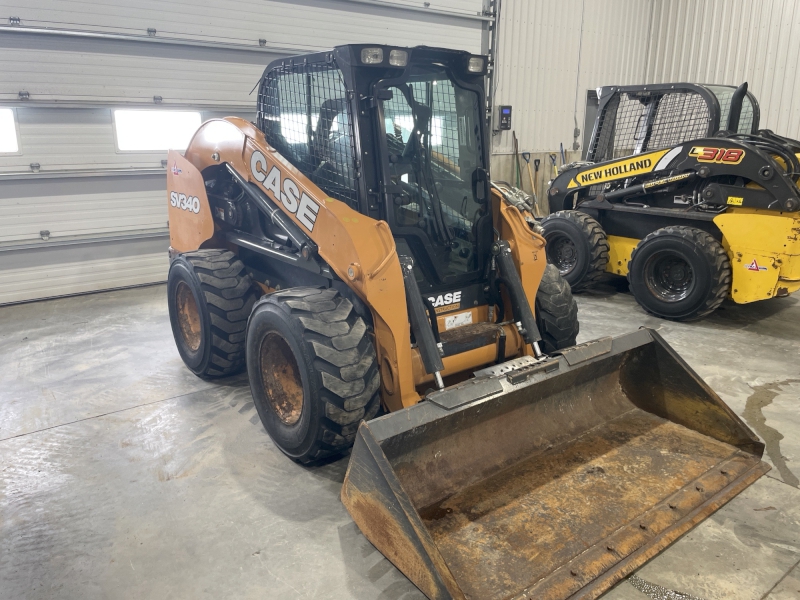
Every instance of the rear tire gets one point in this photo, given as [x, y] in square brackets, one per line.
[210, 296]
[679, 273]
[313, 371]
[556, 312]
[577, 246]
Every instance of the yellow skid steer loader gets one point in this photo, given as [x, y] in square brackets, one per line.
[350, 251]
[682, 193]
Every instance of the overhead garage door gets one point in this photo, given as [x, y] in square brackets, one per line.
[78, 214]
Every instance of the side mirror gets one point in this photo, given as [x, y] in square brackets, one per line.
[480, 185]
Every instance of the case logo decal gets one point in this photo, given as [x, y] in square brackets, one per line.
[284, 190]
[175, 170]
[184, 202]
[728, 156]
[446, 302]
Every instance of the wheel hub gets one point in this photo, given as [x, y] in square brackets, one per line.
[669, 277]
[562, 253]
[281, 378]
[188, 316]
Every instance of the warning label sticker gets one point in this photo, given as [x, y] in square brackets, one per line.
[458, 320]
[754, 266]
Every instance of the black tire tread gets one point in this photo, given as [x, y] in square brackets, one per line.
[228, 292]
[598, 243]
[344, 357]
[717, 259]
[556, 311]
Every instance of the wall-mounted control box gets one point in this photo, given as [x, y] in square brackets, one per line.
[504, 117]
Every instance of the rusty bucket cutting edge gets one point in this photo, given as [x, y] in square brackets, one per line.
[549, 481]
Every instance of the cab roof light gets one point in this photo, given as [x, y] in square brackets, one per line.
[372, 56]
[398, 58]
[475, 64]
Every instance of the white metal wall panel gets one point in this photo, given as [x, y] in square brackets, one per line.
[306, 25]
[544, 60]
[93, 202]
[78, 60]
[51, 67]
[78, 140]
[102, 72]
[81, 207]
[63, 139]
[87, 275]
[718, 41]
[462, 7]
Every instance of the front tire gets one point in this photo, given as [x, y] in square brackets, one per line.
[313, 371]
[210, 296]
[577, 246]
[556, 312]
[679, 273]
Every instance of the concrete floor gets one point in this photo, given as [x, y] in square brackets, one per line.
[124, 476]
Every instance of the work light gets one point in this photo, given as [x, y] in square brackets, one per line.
[372, 56]
[398, 58]
[475, 64]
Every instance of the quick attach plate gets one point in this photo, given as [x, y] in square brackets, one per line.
[489, 381]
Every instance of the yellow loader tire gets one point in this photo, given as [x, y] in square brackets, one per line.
[577, 246]
[210, 296]
[313, 371]
[679, 273]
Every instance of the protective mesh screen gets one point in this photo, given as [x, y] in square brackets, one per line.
[302, 111]
[633, 123]
[679, 117]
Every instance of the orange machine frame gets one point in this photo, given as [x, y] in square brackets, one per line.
[359, 249]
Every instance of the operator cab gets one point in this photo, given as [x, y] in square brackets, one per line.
[399, 134]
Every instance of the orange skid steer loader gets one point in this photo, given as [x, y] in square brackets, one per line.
[349, 250]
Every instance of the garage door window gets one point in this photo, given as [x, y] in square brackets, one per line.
[8, 132]
[154, 130]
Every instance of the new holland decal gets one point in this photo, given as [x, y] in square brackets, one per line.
[629, 167]
[284, 190]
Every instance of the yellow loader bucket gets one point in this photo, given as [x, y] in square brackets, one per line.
[549, 479]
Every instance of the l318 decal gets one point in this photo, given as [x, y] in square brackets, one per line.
[184, 202]
[728, 156]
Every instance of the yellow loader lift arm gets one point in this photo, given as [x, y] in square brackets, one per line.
[350, 252]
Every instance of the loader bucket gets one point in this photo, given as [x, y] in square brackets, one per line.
[552, 480]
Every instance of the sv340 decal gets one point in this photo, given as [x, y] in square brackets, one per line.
[184, 202]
